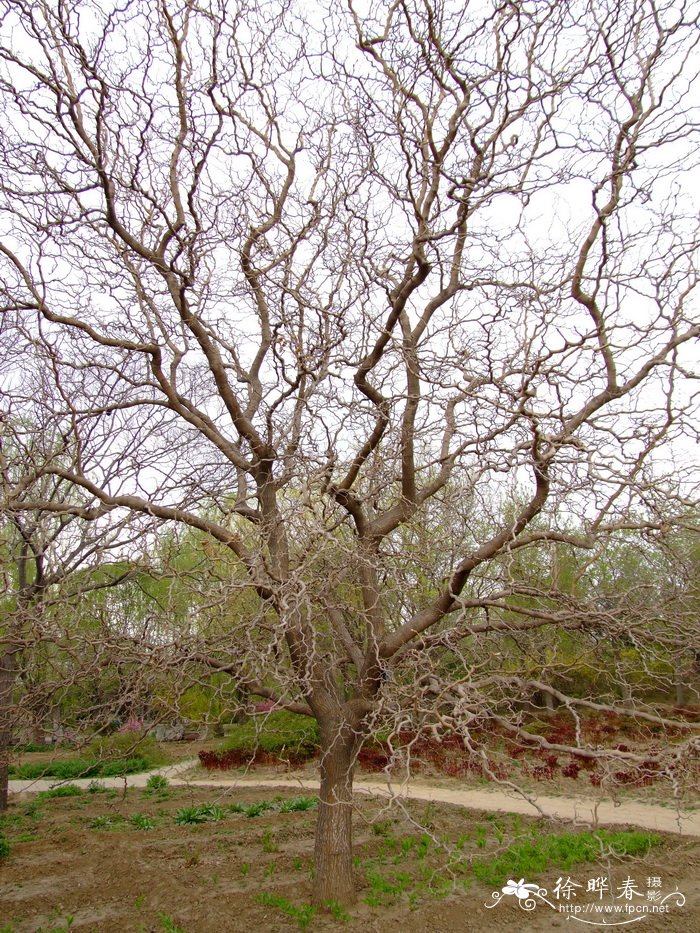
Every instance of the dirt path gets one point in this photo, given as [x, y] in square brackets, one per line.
[581, 810]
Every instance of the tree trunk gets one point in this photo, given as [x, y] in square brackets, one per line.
[6, 684]
[333, 878]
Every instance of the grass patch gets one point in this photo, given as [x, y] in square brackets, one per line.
[276, 736]
[530, 857]
[302, 915]
[65, 790]
[107, 756]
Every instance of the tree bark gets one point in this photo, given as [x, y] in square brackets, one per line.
[6, 685]
[333, 877]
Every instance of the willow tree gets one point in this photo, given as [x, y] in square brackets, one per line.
[350, 272]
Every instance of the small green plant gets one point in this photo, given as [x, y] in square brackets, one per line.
[337, 911]
[4, 849]
[201, 814]
[33, 810]
[63, 790]
[255, 809]
[101, 822]
[268, 842]
[140, 821]
[189, 815]
[64, 927]
[96, 787]
[302, 915]
[531, 857]
[423, 846]
[213, 811]
[168, 925]
[382, 827]
[245, 868]
[385, 891]
[157, 782]
[297, 863]
[297, 804]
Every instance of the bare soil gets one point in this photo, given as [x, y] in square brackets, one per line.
[82, 857]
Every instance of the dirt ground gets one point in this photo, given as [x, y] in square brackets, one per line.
[81, 864]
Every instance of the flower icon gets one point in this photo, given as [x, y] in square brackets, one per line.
[520, 889]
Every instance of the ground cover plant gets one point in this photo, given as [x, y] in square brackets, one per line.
[276, 737]
[109, 756]
[427, 866]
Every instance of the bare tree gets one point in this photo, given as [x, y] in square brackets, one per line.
[356, 277]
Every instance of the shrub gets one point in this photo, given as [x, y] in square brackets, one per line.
[71, 768]
[65, 770]
[279, 736]
[129, 745]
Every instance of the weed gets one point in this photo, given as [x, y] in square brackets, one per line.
[423, 846]
[64, 790]
[139, 821]
[96, 787]
[268, 842]
[32, 810]
[139, 901]
[255, 809]
[4, 849]
[101, 822]
[382, 827]
[297, 804]
[245, 868]
[26, 837]
[385, 890]
[529, 858]
[213, 811]
[302, 915]
[337, 911]
[189, 815]
[63, 928]
[297, 864]
[168, 925]
[157, 783]
[270, 870]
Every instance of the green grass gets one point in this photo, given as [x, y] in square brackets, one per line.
[70, 768]
[141, 821]
[302, 915]
[275, 733]
[168, 925]
[530, 857]
[64, 790]
[106, 756]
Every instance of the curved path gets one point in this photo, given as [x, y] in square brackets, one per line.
[580, 810]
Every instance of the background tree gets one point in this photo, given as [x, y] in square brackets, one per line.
[344, 272]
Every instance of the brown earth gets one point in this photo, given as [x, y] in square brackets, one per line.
[81, 857]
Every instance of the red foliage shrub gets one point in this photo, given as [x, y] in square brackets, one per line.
[571, 770]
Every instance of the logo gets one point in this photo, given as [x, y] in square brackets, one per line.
[595, 902]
